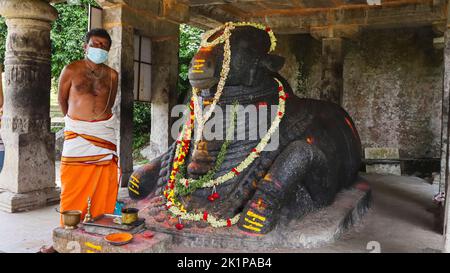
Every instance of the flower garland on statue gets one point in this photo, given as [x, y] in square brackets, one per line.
[178, 184]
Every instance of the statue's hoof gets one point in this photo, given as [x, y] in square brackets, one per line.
[257, 218]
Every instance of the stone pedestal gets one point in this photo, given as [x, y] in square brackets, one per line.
[28, 177]
[80, 241]
[332, 70]
[316, 229]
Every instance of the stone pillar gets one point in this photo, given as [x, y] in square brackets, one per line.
[445, 137]
[121, 59]
[28, 177]
[332, 70]
[164, 82]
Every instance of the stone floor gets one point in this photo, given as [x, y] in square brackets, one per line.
[400, 221]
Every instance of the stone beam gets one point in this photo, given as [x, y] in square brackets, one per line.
[210, 16]
[175, 11]
[351, 32]
[302, 20]
[28, 177]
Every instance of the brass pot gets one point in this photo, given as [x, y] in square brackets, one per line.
[71, 218]
[129, 215]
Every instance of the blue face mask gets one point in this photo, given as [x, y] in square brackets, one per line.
[97, 55]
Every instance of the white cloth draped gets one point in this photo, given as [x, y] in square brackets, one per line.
[89, 139]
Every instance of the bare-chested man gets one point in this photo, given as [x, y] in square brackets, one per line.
[87, 91]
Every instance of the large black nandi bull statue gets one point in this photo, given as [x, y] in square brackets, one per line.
[318, 154]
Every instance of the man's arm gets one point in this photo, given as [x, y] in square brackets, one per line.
[65, 83]
[115, 85]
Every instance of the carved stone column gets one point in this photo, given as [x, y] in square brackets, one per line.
[445, 159]
[332, 70]
[28, 177]
[332, 78]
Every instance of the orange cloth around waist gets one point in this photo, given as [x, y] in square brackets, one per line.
[99, 182]
[92, 139]
[84, 159]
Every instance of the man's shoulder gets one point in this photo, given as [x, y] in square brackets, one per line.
[112, 71]
[74, 66]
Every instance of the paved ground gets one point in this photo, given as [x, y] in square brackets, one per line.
[400, 221]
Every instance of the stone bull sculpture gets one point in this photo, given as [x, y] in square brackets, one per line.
[318, 154]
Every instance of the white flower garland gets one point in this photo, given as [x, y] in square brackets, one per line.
[175, 207]
[256, 151]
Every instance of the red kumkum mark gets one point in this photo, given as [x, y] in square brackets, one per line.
[350, 125]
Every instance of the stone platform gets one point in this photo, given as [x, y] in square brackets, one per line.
[316, 229]
[80, 241]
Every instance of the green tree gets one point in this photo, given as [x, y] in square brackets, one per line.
[190, 38]
[68, 33]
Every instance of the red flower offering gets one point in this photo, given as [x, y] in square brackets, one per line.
[215, 195]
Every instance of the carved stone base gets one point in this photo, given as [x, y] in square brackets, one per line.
[18, 202]
[314, 230]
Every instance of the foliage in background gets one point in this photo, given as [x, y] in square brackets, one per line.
[68, 34]
[3, 33]
[190, 38]
[141, 123]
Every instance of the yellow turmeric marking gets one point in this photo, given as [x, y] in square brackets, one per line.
[197, 66]
[197, 71]
[253, 223]
[133, 190]
[268, 177]
[135, 179]
[134, 184]
[252, 228]
[199, 61]
[91, 245]
[90, 251]
[257, 216]
[205, 48]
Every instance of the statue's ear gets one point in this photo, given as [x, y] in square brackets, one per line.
[273, 62]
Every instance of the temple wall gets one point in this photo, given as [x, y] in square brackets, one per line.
[392, 86]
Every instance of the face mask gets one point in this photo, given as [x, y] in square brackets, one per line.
[97, 55]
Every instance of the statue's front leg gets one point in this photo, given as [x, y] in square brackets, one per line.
[143, 181]
[262, 212]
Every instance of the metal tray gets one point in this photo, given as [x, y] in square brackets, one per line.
[107, 221]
